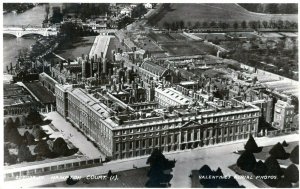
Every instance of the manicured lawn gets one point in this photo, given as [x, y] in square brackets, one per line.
[204, 12]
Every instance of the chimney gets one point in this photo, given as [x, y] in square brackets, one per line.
[91, 66]
[104, 65]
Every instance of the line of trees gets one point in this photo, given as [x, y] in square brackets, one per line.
[272, 24]
[86, 10]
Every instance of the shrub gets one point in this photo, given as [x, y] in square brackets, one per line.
[292, 173]
[246, 161]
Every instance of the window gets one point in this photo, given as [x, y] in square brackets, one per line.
[130, 145]
[117, 147]
[144, 143]
[150, 142]
[137, 144]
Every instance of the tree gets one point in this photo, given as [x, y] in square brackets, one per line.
[294, 156]
[181, 24]
[280, 24]
[251, 145]
[57, 16]
[33, 117]
[252, 24]
[124, 22]
[166, 25]
[265, 24]
[285, 144]
[189, 24]
[292, 173]
[246, 161]
[213, 24]
[278, 152]
[38, 133]
[273, 169]
[42, 148]
[138, 11]
[17, 122]
[217, 181]
[204, 24]
[11, 133]
[158, 164]
[284, 183]
[197, 25]
[28, 138]
[260, 169]
[244, 24]
[235, 25]
[8, 158]
[24, 153]
[60, 147]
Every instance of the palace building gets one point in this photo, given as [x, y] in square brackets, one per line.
[123, 130]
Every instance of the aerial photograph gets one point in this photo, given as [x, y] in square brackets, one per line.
[150, 95]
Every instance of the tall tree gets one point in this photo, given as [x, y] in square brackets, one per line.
[24, 153]
[235, 25]
[60, 147]
[158, 164]
[244, 24]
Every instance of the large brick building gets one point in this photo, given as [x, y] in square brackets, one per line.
[132, 133]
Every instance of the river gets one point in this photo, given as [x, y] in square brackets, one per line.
[13, 45]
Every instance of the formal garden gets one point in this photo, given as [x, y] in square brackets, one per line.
[269, 166]
[25, 140]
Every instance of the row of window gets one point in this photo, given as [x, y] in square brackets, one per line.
[155, 142]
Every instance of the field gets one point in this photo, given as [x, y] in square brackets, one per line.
[188, 48]
[249, 35]
[211, 36]
[179, 36]
[161, 37]
[211, 12]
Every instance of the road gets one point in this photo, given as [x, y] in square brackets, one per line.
[215, 156]
[74, 136]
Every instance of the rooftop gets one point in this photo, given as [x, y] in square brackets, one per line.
[40, 92]
[175, 95]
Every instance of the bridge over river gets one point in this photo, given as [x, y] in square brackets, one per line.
[20, 31]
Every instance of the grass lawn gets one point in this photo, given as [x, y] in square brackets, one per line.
[179, 36]
[204, 12]
[189, 48]
[211, 36]
[135, 178]
[161, 37]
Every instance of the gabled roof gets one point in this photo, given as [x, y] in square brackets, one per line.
[153, 68]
